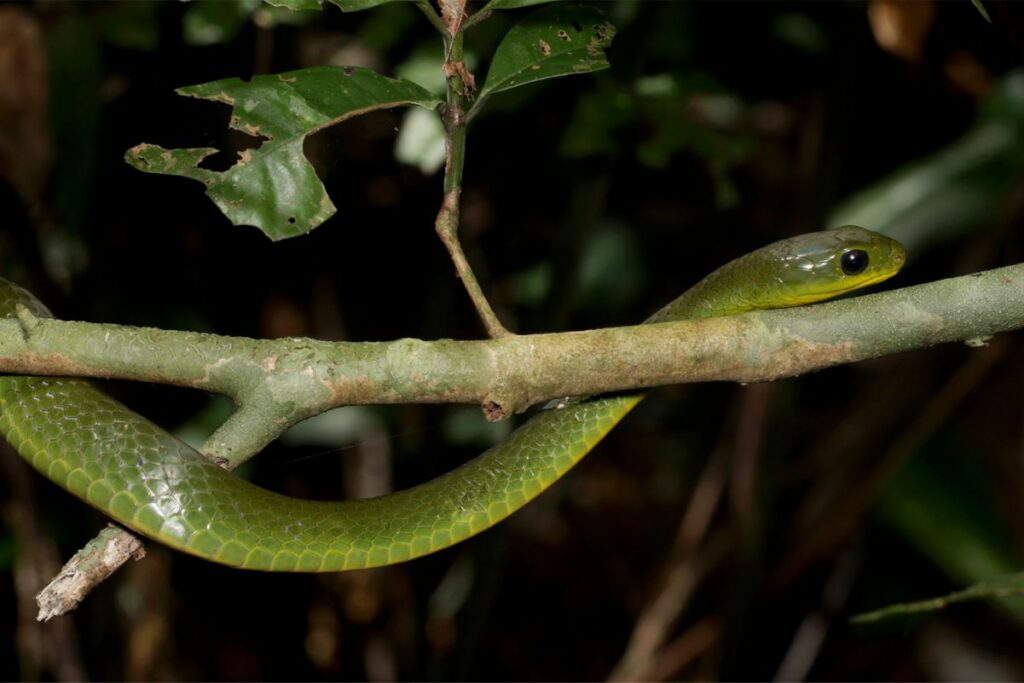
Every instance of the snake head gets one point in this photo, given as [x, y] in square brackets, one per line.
[823, 265]
[792, 272]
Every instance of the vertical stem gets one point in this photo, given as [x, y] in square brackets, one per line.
[447, 223]
[455, 124]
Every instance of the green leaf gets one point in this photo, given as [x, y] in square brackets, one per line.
[1002, 587]
[273, 186]
[297, 5]
[357, 5]
[512, 4]
[555, 41]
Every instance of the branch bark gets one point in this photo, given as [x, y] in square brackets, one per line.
[286, 380]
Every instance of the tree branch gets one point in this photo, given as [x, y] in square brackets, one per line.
[286, 380]
[278, 382]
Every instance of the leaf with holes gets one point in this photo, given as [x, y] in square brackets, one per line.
[273, 186]
[555, 41]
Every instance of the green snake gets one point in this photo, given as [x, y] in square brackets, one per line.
[151, 482]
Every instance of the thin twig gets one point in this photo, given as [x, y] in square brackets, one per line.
[447, 230]
[87, 568]
[678, 654]
[661, 613]
[459, 83]
[809, 636]
[475, 18]
[680, 575]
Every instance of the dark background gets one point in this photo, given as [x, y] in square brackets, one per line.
[588, 201]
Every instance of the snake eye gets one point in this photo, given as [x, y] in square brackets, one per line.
[854, 261]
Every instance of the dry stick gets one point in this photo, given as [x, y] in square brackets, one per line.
[809, 637]
[681, 574]
[91, 565]
[645, 651]
[678, 654]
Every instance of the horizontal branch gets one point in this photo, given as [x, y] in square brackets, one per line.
[302, 377]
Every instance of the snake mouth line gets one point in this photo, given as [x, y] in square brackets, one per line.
[822, 296]
[881, 277]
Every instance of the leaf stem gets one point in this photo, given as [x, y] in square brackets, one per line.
[454, 114]
[447, 223]
[475, 18]
[447, 229]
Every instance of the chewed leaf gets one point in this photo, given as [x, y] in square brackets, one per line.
[273, 186]
[555, 41]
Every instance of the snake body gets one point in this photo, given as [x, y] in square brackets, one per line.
[149, 481]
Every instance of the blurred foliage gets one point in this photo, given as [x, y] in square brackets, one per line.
[959, 188]
[940, 503]
[590, 201]
[208, 22]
